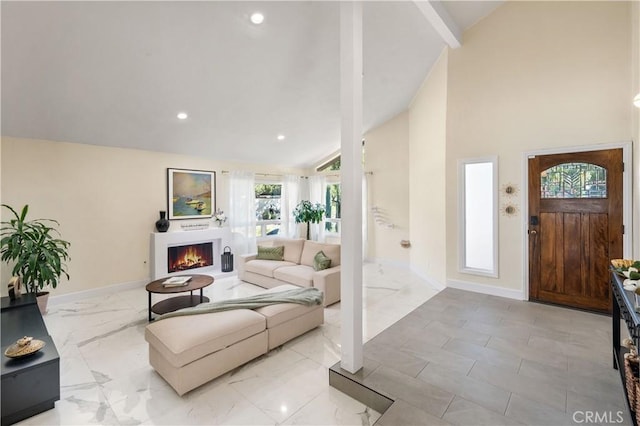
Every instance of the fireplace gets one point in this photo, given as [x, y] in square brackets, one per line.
[162, 243]
[190, 256]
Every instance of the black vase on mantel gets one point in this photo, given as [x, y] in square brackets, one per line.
[162, 224]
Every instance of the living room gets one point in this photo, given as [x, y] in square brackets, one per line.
[529, 77]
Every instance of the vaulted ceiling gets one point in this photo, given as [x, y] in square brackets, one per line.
[118, 73]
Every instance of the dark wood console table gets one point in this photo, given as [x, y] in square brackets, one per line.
[623, 308]
[30, 385]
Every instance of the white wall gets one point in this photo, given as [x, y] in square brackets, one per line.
[427, 141]
[106, 199]
[534, 75]
[386, 157]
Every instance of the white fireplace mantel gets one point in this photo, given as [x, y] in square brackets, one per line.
[161, 241]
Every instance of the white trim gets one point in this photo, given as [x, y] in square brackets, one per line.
[509, 293]
[441, 22]
[627, 197]
[96, 292]
[388, 262]
[437, 285]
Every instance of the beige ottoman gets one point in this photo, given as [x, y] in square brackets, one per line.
[191, 350]
[288, 320]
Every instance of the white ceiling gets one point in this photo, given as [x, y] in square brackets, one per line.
[117, 73]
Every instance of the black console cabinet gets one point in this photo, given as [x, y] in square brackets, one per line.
[30, 385]
[623, 309]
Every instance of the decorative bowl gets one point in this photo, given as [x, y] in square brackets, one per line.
[23, 347]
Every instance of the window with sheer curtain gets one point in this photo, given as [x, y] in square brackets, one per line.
[333, 201]
[275, 201]
[268, 208]
[317, 189]
[291, 196]
[242, 219]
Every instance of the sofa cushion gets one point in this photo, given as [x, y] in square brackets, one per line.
[270, 253]
[265, 267]
[321, 261]
[184, 339]
[311, 248]
[292, 248]
[300, 275]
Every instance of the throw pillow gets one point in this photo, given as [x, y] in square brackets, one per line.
[270, 253]
[321, 261]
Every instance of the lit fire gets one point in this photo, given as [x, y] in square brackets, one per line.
[190, 260]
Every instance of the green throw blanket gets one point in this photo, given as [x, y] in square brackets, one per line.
[302, 296]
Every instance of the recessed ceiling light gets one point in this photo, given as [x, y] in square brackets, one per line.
[182, 115]
[280, 137]
[257, 18]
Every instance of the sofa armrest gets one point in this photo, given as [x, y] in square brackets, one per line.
[242, 260]
[328, 281]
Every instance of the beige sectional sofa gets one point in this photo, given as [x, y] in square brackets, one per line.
[296, 268]
[189, 351]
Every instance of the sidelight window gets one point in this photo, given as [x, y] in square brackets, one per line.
[574, 180]
[478, 179]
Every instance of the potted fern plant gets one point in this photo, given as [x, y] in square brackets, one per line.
[37, 252]
[306, 212]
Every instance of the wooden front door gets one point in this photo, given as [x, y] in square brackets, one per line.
[575, 227]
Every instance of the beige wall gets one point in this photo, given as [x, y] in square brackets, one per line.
[427, 141]
[386, 157]
[534, 75]
[106, 200]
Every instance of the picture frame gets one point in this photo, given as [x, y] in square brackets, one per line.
[191, 194]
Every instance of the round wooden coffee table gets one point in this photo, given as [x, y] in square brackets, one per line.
[197, 282]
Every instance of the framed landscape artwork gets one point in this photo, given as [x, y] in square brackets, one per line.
[191, 193]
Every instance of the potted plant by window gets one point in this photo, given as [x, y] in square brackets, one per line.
[38, 254]
[306, 212]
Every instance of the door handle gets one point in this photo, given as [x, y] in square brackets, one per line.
[533, 231]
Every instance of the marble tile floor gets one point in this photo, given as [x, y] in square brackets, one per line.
[464, 358]
[106, 378]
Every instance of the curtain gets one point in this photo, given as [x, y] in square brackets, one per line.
[242, 211]
[317, 190]
[291, 192]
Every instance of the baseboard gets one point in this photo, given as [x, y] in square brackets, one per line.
[95, 292]
[487, 289]
[110, 289]
[406, 265]
[432, 281]
[387, 262]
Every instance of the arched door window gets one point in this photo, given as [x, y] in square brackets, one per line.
[574, 180]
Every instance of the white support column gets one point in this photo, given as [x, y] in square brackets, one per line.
[351, 182]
